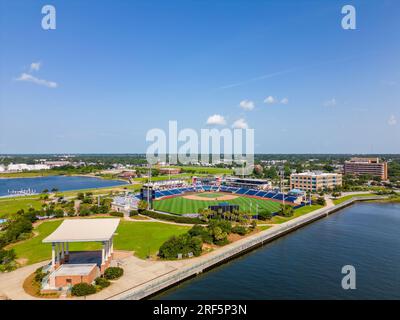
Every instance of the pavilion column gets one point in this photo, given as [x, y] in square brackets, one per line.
[112, 245]
[66, 251]
[53, 255]
[57, 254]
[103, 253]
[62, 252]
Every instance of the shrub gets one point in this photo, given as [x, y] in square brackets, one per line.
[202, 232]
[286, 211]
[239, 230]
[264, 215]
[15, 229]
[133, 213]
[183, 244]
[39, 275]
[142, 206]
[166, 217]
[320, 201]
[116, 214]
[224, 225]
[24, 236]
[84, 212]
[103, 209]
[102, 282]
[113, 273]
[31, 215]
[83, 289]
[218, 235]
[59, 213]
[7, 256]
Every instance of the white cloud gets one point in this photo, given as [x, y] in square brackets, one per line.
[392, 120]
[240, 124]
[216, 119]
[35, 66]
[330, 103]
[273, 100]
[247, 105]
[41, 82]
[270, 100]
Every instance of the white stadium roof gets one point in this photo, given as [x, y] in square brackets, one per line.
[84, 230]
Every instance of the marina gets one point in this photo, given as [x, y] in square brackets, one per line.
[30, 186]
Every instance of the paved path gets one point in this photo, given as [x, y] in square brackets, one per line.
[11, 282]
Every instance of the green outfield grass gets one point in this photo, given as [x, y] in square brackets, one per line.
[145, 238]
[180, 205]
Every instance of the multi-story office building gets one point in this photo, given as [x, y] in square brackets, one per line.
[369, 166]
[315, 181]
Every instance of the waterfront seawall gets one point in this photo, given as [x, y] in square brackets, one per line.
[228, 252]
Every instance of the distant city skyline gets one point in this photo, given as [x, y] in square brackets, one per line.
[113, 70]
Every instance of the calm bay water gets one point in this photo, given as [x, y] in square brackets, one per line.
[307, 263]
[62, 183]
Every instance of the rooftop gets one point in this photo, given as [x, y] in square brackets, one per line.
[74, 269]
[84, 230]
[314, 174]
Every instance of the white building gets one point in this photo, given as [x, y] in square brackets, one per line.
[2, 168]
[17, 167]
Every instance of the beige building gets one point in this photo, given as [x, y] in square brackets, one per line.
[369, 166]
[314, 181]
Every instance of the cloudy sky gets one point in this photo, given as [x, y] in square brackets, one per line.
[112, 70]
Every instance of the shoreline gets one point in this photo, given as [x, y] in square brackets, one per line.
[126, 183]
[146, 279]
[201, 264]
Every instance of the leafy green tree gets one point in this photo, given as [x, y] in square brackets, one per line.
[265, 214]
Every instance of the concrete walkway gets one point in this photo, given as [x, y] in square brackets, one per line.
[11, 283]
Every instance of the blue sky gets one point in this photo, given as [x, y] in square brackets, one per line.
[112, 70]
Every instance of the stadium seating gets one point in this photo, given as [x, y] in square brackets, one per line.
[251, 192]
[239, 191]
[242, 191]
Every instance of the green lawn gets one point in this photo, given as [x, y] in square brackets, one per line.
[180, 205]
[142, 237]
[12, 205]
[297, 213]
[343, 199]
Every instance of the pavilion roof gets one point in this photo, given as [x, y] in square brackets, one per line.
[84, 230]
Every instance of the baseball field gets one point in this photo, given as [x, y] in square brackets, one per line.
[191, 203]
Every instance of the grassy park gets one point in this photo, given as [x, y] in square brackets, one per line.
[297, 213]
[144, 238]
[345, 198]
[12, 205]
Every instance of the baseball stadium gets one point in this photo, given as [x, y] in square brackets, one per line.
[249, 195]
